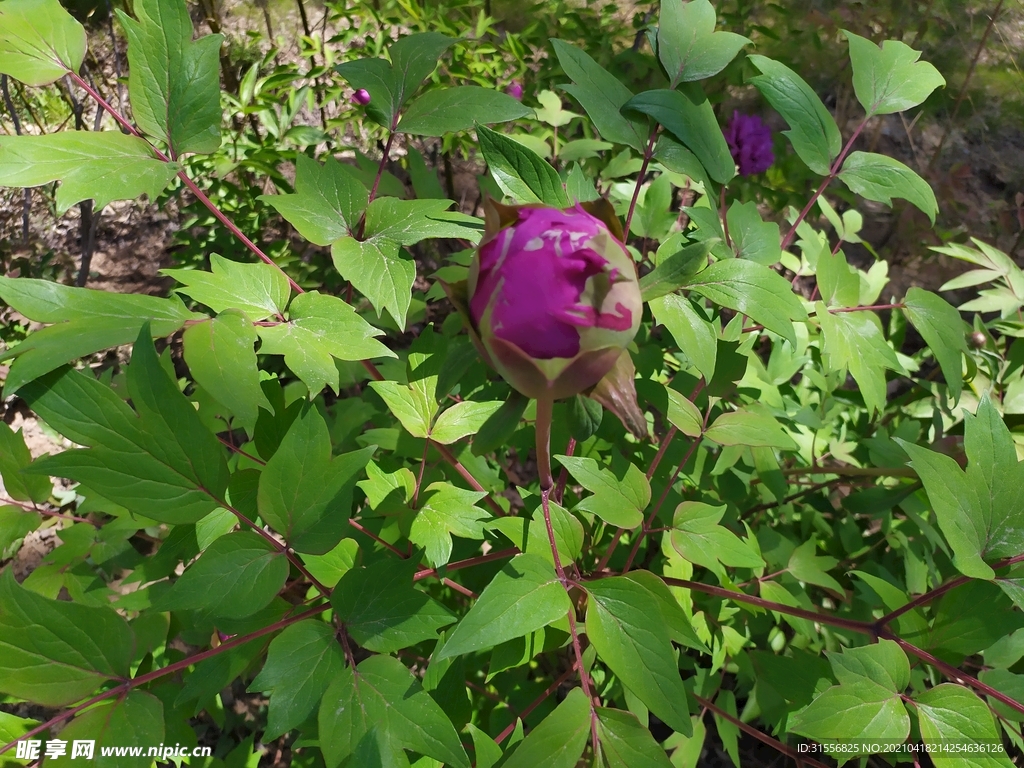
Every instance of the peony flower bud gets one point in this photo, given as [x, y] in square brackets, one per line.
[361, 97]
[750, 142]
[515, 90]
[553, 298]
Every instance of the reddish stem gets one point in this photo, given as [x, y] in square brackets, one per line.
[468, 563]
[535, 703]
[473, 482]
[648, 154]
[563, 474]
[362, 529]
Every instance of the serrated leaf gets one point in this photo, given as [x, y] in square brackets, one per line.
[15, 456]
[754, 290]
[301, 662]
[258, 290]
[320, 329]
[524, 596]
[381, 693]
[91, 165]
[378, 270]
[812, 129]
[688, 116]
[327, 203]
[942, 328]
[980, 509]
[302, 487]
[449, 110]
[881, 178]
[950, 713]
[558, 741]
[235, 577]
[521, 173]
[889, 78]
[854, 340]
[40, 42]
[56, 652]
[602, 96]
[173, 82]
[383, 611]
[688, 45]
[749, 427]
[617, 501]
[221, 356]
[698, 537]
[446, 511]
[626, 625]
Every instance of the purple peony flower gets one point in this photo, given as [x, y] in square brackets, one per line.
[750, 142]
[553, 298]
[361, 97]
[515, 90]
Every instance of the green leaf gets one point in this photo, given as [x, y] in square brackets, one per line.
[173, 82]
[55, 652]
[462, 419]
[259, 290]
[860, 709]
[40, 42]
[687, 115]
[838, 282]
[414, 406]
[320, 329]
[679, 627]
[378, 270]
[883, 663]
[1002, 680]
[164, 464]
[889, 78]
[15, 523]
[521, 173]
[559, 740]
[617, 501]
[301, 662]
[753, 237]
[950, 713]
[383, 611]
[673, 272]
[486, 751]
[626, 625]
[500, 425]
[688, 45]
[524, 596]
[684, 415]
[807, 566]
[235, 577]
[942, 328]
[698, 537]
[327, 203]
[812, 129]
[409, 221]
[626, 743]
[881, 178]
[854, 341]
[91, 165]
[13, 728]
[381, 693]
[980, 511]
[137, 718]
[15, 456]
[694, 335]
[754, 290]
[449, 110]
[391, 85]
[749, 427]
[584, 417]
[446, 511]
[303, 486]
[222, 358]
[602, 96]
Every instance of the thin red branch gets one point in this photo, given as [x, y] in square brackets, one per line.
[366, 531]
[468, 563]
[535, 703]
[648, 154]
[473, 482]
[177, 666]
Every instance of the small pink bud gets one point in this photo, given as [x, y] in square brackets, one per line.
[361, 97]
[515, 90]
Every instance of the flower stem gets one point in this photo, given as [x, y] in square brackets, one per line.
[648, 154]
[543, 429]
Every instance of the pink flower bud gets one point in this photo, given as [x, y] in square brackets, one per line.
[361, 97]
[515, 90]
[553, 298]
